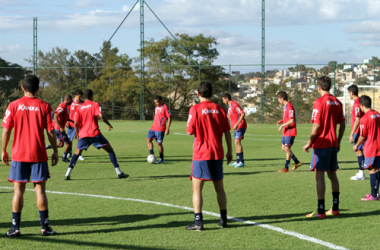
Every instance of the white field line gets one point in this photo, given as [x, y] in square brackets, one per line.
[277, 229]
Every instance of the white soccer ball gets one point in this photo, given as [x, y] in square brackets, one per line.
[151, 159]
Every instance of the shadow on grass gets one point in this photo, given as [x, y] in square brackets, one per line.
[184, 176]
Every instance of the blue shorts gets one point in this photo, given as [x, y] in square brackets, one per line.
[71, 133]
[211, 170]
[356, 138]
[62, 136]
[288, 141]
[158, 135]
[98, 141]
[372, 162]
[239, 134]
[22, 172]
[324, 159]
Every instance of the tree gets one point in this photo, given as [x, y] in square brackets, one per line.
[348, 70]
[361, 81]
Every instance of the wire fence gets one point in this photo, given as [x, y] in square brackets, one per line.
[120, 92]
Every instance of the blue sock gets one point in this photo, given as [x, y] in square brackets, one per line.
[237, 158]
[241, 157]
[198, 218]
[361, 162]
[287, 164]
[44, 219]
[113, 159]
[162, 156]
[48, 146]
[374, 184]
[73, 161]
[151, 151]
[296, 161]
[16, 218]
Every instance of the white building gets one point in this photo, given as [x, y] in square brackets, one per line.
[250, 110]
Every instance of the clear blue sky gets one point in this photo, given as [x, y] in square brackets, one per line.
[298, 31]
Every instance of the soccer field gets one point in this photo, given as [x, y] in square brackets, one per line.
[97, 210]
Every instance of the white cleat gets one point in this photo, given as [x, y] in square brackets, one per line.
[357, 177]
[81, 158]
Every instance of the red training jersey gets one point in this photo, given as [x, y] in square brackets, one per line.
[161, 114]
[289, 113]
[356, 112]
[207, 121]
[73, 109]
[29, 116]
[327, 112]
[63, 113]
[87, 117]
[234, 111]
[370, 130]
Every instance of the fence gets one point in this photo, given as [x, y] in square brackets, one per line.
[120, 92]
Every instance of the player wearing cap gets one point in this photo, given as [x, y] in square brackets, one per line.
[356, 114]
[29, 117]
[159, 129]
[289, 132]
[208, 122]
[76, 103]
[327, 114]
[86, 118]
[239, 125]
[369, 133]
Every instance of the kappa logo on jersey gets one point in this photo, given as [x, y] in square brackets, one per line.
[375, 116]
[59, 110]
[31, 108]
[332, 103]
[209, 111]
[357, 110]
[315, 112]
[86, 107]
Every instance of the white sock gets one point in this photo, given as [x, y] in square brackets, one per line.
[118, 171]
[361, 172]
[69, 171]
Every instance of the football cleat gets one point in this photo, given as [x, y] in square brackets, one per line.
[81, 158]
[369, 197]
[297, 165]
[67, 178]
[233, 164]
[194, 227]
[332, 212]
[65, 159]
[69, 155]
[222, 225]
[122, 176]
[239, 165]
[283, 170]
[47, 231]
[13, 233]
[316, 215]
[160, 161]
[357, 177]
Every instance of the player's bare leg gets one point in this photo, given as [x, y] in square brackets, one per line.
[73, 161]
[239, 154]
[321, 190]
[42, 205]
[17, 205]
[113, 159]
[222, 202]
[60, 144]
[374, 183]
[150, 144]
[161, 150]
[360, 175]
[335, 192]
[197, 204]
[67, 150]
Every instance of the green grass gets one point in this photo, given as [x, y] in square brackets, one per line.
[256, 192]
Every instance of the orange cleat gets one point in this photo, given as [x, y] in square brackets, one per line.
[299, 164]
[316, 215]
[283, 170]
[332, 212]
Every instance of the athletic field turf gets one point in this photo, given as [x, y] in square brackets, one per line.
[255, 193]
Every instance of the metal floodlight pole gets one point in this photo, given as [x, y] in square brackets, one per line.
[113, 93]
[85, 75]
[262, 60]
[170, 84]
[199, 74]
[374, 82]
[35, 51]
[59, 83]
[142, 64]
[334, 79]
[229, 79]
[297, 90]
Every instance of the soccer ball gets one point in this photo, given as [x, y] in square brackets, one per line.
[151, 159]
